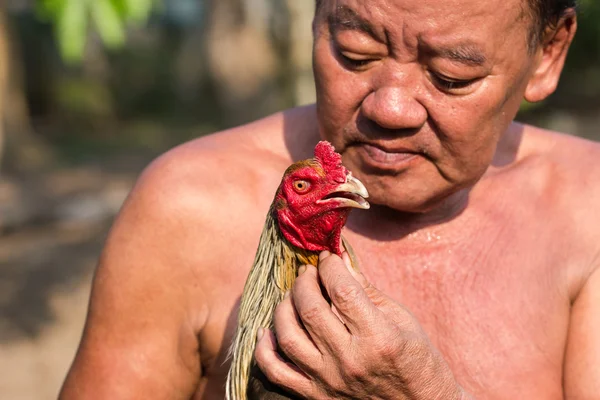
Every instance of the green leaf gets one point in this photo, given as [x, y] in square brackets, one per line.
[138, 10]
[71, 19]
[71, 28]
[49, 9]
[121, 7]
[108, 22]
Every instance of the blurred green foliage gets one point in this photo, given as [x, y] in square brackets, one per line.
[585, 50]
[161, 89]
[73, 19]
[579, 88]
[580, 83]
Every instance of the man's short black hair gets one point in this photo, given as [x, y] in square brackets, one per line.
[544, 13]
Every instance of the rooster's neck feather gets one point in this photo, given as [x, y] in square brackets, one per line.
[273, 273]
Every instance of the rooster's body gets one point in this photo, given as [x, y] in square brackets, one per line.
[309, 210]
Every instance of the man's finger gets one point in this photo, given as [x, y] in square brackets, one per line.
[347, 294]
[279, 372]
[356, 274]
[377, 297]
[293, 339]
[324, 327]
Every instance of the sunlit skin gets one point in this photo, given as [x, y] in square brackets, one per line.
[479, 256]
[389, 77]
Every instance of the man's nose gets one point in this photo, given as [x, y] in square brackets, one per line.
[394, 107]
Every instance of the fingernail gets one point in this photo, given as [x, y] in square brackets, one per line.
[259, 334]
[286, 295]
[324, 255]
[302, 269]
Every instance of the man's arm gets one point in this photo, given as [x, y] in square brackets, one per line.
[140, 337]
[582, 359]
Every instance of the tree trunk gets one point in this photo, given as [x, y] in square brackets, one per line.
[242, 59]
[20, 149]
[301, 38]
[4, 60]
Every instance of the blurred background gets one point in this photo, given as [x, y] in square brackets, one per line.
[92, 90]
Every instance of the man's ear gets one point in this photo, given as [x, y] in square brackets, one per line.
[550, 58]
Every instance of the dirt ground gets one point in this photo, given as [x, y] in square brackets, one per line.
[48, 251]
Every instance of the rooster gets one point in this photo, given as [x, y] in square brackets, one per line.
[306, 217]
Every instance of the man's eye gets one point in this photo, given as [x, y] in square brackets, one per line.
[354, 63]
[448, 84]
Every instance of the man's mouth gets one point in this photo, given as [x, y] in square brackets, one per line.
[352, 194]
[387, 156]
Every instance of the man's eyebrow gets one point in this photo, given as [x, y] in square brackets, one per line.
[466, 54]
[345, 18]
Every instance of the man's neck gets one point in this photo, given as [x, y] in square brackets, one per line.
[390, 224]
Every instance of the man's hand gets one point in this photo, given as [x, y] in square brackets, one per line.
[364, 345]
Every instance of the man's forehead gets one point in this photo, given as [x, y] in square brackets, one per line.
[361, 14]
[455, 32]
[344, 17]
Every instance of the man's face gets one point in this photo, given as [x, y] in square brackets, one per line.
[415, 94]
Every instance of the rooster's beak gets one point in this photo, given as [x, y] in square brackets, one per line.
[352, 193]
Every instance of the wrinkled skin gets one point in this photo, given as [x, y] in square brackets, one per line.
[480, 256]
[379, 351]
[408, 94]
[384, 89]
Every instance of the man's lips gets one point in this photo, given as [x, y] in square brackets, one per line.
[386, 156]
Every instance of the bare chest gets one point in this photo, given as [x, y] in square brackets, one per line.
[494, 302]
[496, 308]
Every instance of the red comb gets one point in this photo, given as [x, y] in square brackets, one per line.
[327, 156]
[330, 160]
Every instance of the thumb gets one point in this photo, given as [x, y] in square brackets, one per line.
[388, 306]
[375, 295]
[356, 274]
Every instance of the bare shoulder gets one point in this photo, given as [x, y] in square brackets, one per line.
[216, 181]
[167, 258]
[226, 179]
[574, 170]
[580, 153]
[566, 171]
[567, 166]
[198, 202]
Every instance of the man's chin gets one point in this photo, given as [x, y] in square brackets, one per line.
[405, 206]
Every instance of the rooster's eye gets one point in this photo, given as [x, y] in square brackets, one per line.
[301, 186]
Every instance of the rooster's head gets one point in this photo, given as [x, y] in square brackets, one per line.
[315, 198]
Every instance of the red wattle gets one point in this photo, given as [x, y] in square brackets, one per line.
[317, 234]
